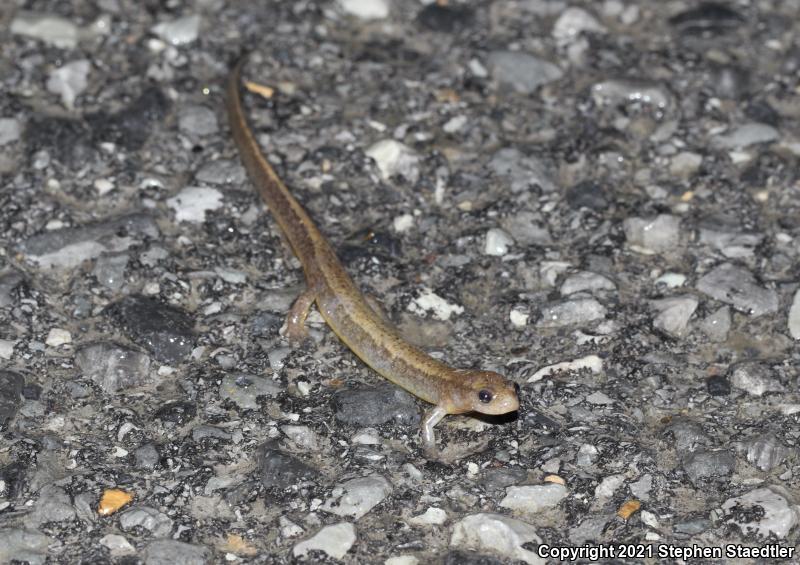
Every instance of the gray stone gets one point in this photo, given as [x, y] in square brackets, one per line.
[765, 451]
[704, 464]
[521, 71]
[157, 523]
[373, 406]
[746, 135]
[754, 378]
[586, 281]
[10, 395]
[165, 331]
[661, 234]
[533, 498]
[53, 505]
[281, 470]
[794, 316]
[146, 457]
[736, 286]
[49, 28]
[173, 552]
[687, 435]
[69, 247]
[335, 540]
[527, 228]
[10, 131]
[179, 31]
[69, 81]
[523, 172]
[222, 171]
[205, 431]
[619, 92]
[109, 270]
[674, 314]
[356, 497]
[9, 281]
[498, 534]
[243, 389]
[578, 311]
[717, 325]
[23, 546]
[113, 367]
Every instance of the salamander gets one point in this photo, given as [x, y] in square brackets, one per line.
[349, 314]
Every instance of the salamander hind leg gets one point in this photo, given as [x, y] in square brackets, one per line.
[294, 329]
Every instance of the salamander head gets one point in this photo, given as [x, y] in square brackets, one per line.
[485, 392]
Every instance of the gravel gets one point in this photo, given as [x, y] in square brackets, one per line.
[597, 199]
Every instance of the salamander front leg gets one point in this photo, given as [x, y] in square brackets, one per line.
[294, 329]
[431, 418]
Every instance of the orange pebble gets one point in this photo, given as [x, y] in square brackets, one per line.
[112, 500]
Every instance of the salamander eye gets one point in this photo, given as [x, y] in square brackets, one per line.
[485, 396]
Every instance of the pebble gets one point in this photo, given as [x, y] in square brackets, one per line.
[165, 331]
[23, 546]
[526, 229]
[244, 390]
[57, 337]
[366, 9]
[497, 242]
[117, 545]
[685, 164]
[650, 236]
[49, 28]
[280, 470]
[146, 457]
[288, 528]
[587, 455]
[523, 72]
[591, 362]
[625, 92]
[402, 560]
[754, 378]
[717, 325]
[794, 316]
[335, 540]
[394, 158]
[428, 301]
[205, 431]
[221, 171]
[608, 486]
[197, 121]
[765, 451]
[179, 31]
[10, 131]
[587, 194]
[193, 202]
[725, 237]
[113, 367]
[53, 505]
[573, 22]
[302, 436]
[157, 523]
[706, 464]
[578, 311]
[431, 517]
[356, 497]
[687, 435]
[523, 172]
[11, 385]
[69, 247]
[737, 286]
[109, 270]
[671, 280]
[373, 406]
[69, 81]
[497, 534]
[174, 552]
[746, 135]
[7, 348]
[533, 499]
[762, 512]
[674, 314]
[586, 281]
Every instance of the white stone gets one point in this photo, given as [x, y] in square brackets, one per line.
[7, 348]
[534, 498]
[192, 203]
[302, 436]
[58, 336]
[794, 316]
[431, 517]
[10, 130]
[608, 486]
[394, 158]
[288, 528]
[427, 301]
[498, 534]
[674, 314]
[46, 27]
[762, 512]
[69, 81]
[366, 9]
[403, 223]
[117, 545]
[519, 319]
[671, 280]
[402, 560]
[497, 242]
[574, 21]
[335, 540]
[591, 362]
[178, 32]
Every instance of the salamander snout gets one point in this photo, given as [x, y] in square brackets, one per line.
[488, 392]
